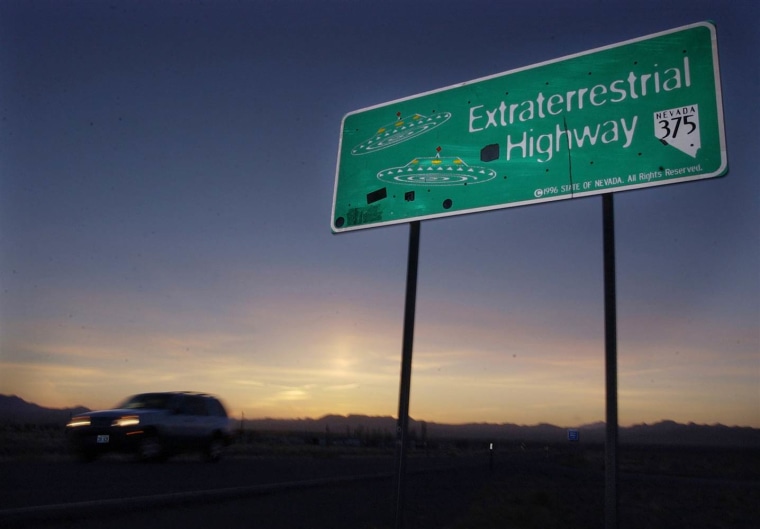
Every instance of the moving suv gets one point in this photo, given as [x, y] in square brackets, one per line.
[153, 426]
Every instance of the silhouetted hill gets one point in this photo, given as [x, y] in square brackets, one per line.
[672, 433]
[16, 410]
[661, 433]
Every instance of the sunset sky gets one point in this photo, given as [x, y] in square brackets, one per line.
[166, 180]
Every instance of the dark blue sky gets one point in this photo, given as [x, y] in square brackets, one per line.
[166, 178]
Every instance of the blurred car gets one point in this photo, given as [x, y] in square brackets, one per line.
[154, 426]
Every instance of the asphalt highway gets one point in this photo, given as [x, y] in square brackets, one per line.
[716, 489]
[329, 492]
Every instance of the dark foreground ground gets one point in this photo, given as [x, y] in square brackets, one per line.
[536, 488]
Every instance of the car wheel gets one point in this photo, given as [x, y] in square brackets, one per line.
[214, 449]
[151, 449]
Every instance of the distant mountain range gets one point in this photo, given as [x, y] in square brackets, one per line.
[17, 411]
[661, 433]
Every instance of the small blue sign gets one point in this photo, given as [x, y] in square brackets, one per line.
[573, 435]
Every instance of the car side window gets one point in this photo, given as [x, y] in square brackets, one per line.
[196, 406]
[176, 404]
[215, 408]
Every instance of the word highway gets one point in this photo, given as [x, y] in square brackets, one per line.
[584, 100]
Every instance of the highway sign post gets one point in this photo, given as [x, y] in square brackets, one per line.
[639, 113]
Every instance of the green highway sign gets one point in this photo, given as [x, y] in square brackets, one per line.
[639, 113]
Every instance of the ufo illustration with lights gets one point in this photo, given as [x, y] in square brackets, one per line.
[437, 171]
[403, 129]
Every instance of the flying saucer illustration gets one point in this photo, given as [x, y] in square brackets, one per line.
[438, 171]
[403, 129]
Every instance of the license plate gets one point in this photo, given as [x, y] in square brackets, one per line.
[103, 439]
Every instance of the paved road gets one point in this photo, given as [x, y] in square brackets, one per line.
[35, 483]
[358, 493]
[355, 492]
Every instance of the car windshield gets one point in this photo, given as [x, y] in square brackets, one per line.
[153, 401]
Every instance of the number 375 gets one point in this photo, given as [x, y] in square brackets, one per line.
[672, 126]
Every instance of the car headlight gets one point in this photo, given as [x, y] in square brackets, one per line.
[78, 421]
[127, 420]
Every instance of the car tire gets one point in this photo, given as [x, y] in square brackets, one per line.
[151, 449]
[214, 449]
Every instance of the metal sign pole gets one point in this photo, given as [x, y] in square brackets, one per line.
[610, 354]
[402, 428]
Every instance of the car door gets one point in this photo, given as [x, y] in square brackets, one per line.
[181, 421]
[196, 420]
